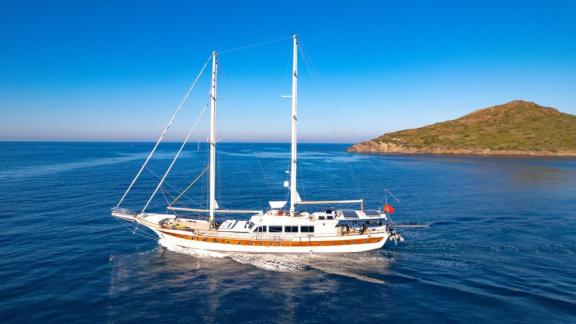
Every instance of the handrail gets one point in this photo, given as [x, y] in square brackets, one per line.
[283, 237]
[325, 202]
[222, 211]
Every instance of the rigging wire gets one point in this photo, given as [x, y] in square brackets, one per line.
[252, 137]
[306, 61]
[164, 192]
[175, 158]
[158, 177]
[188, 92]
[335, 112]
[254, 45]
[189, 186]
[126, 225]
[341, 119]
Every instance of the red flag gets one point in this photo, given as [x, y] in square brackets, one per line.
[389, 209]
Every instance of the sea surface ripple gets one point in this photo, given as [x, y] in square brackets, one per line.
[501, 248]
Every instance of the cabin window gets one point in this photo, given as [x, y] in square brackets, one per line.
[275, 229]
[307, 229]
[260, 229]
[291, 229]
[329, 217]
[321, 217]
[250, 225]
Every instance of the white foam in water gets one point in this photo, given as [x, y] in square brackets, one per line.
[351, 265]
[336, 270]
[262, 261]
[346, 266]
[285, 263]
[192, 252]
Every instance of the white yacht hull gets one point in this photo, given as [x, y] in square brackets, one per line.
[298, 245]
[204, 239]
[220, 247]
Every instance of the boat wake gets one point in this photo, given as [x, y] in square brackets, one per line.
[270, 262]
[359, 266]
[50, 169]
[192, 252]
[354, 267]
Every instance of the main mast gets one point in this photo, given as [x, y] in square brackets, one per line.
[212, 180]
[293, 154]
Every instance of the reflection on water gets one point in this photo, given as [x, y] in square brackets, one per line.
[541, 175]
[211, 280]
[525, 171]
[351, 265]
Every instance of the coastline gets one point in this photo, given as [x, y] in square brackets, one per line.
[395, 149]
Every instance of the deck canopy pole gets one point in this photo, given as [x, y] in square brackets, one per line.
[221, 211]
[293, 152]
[213, 138]
[328, 202]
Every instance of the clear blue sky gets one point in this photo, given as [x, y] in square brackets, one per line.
[115, 70]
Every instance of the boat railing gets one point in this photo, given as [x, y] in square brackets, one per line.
[284, 238]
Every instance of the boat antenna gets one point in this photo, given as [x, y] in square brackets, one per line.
[212, 171]
[294, 146]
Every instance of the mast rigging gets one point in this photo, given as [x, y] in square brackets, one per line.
[212, 172]
[294, 136]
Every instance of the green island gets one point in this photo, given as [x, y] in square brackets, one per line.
[517, 128]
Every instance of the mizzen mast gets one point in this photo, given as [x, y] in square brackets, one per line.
[294, 146]
[212, 173]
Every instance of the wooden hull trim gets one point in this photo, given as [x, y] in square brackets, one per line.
[285, 243]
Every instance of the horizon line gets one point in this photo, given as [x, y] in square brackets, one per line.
[167, 141]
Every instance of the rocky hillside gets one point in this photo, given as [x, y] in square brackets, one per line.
[516, 128]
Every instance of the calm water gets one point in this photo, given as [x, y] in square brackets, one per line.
[502, 246]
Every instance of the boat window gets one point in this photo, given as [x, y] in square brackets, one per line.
[250, 225]
[330, 217]
[307, 229]
[291, 229]
[261, 229]
[275, 229]
[321, 217]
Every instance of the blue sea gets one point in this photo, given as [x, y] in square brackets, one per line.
[501, 247]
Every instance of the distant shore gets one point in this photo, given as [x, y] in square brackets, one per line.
[517, 128]
[391, 148]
